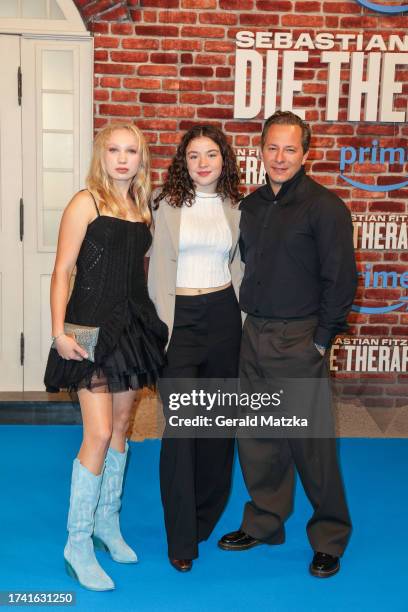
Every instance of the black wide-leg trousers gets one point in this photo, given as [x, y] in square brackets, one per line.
[277, 349]
[195, 474]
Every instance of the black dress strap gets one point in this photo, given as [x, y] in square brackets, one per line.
[96, 206]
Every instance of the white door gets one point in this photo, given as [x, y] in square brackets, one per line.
[57, 136]
[11, 250]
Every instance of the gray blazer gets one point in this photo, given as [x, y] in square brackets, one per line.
[164, 256]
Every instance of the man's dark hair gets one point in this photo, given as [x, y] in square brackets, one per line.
[288, 118]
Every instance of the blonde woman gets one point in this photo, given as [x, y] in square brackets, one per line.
[105, 233]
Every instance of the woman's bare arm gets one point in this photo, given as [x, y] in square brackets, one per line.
[75, 220]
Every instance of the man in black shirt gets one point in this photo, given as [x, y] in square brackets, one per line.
[299, 284]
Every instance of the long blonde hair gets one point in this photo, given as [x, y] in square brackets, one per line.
[101, 185]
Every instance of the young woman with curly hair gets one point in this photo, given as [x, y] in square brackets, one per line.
[194, 279]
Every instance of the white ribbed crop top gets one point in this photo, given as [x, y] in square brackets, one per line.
[205, 243]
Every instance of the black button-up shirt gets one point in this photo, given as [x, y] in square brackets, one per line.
[299, 257]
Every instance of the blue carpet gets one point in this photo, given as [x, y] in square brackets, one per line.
[34, 481]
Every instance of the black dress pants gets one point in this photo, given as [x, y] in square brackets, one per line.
[195, 474]
[273, 349]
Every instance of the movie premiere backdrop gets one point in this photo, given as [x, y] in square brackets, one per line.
[343, 66]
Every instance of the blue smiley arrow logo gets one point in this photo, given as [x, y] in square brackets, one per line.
[380, 309]
[390, 10]
[367, 187]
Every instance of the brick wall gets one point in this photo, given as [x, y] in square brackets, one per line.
[167, 64]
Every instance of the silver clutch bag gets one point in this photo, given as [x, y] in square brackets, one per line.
[86, 337]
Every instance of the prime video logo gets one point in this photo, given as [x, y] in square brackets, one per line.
[372, 155]
[379, 8]
[383, 280]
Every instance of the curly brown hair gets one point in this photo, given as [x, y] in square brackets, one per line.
[178, 188]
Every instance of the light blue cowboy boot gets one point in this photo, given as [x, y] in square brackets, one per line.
[107, 535]
[79, 555]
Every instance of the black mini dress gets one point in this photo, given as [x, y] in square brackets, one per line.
[110, 292]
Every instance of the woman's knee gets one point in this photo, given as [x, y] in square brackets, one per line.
[121, 423]
[99, 437]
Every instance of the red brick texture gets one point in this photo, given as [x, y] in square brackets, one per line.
[167, 64]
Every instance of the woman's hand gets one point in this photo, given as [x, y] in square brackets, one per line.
[67, 348]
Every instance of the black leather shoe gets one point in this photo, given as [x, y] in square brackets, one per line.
[238, 540]
[324, 565]
[182, 565]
